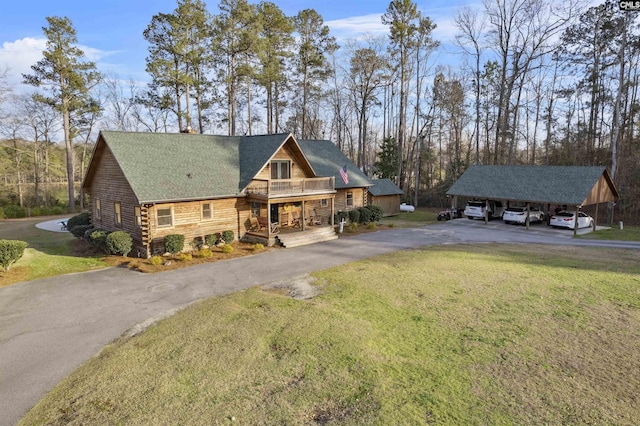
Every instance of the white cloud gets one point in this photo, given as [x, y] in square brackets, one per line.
[357, 26]
[18, 56]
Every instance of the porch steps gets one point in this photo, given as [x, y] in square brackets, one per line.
[309, 236]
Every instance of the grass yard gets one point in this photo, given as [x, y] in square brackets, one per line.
[48, 253]
[628, 233]
[489, 334]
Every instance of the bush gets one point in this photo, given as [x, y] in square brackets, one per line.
[98, 238]
[376, 213]
[174, 243]
[156, 260]
[10, 252]
[339, 216]
[228, 236]
[119, 242]
[210, 239]
[14, 212]
[352, 227]
[205, 253]
[81, 219]
[185, 257]
[227, 248]
[365, 215]
[354, 216]
[258, 247]
[79, 230]
[371, 225]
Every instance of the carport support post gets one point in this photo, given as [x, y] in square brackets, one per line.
[575, 222]
[526, 219]
[486, 211]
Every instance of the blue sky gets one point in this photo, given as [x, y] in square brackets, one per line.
[110, 31]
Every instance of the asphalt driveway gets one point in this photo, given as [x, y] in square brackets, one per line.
[49, 327]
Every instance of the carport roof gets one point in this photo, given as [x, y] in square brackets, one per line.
[571, 185]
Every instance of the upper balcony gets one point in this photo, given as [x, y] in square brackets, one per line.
[282, 188]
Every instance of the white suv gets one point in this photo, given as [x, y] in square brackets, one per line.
[475, 209]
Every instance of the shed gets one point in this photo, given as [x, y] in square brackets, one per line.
[386, 194]
[570, 186]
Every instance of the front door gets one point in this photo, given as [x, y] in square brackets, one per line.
[274, 213]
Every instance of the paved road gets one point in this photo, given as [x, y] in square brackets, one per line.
[49, 327]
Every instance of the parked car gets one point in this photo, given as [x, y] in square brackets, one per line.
[566, 219]
[449, 213]
[476, 209]
[519, 215]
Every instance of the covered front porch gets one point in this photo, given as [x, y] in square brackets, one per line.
[289, 207]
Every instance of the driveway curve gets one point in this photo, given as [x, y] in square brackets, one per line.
[49, 327]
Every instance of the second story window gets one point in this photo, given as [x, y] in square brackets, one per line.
[280, 169]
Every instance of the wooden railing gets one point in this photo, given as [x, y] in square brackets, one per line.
[284, 187]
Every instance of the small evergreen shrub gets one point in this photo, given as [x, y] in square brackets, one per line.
[10, 252]
[210, 239]
[258, 247]
[352, 227]
[79, 230]
[205, 253]
[365, 215]
[354, 216]
[371, 225]
[119, 242]
[14, 212]
[98, 238]
[185, 257]
[80, 219]
[227, 248]
[228, 236]
[376, 212]
[340, 215]
[174, 243]
[156, 260]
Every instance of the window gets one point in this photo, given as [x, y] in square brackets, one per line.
[136, 212]
[117, 216]
[98, 209]
[280, 169]
[323, 202]
[349, 199]
[164, 217]
[206, 211]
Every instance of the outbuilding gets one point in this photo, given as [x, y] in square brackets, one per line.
[571, 187]
[386, 194]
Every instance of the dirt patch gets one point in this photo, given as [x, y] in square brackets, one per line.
[301, 287]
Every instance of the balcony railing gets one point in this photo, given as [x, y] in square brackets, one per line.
[290, 187]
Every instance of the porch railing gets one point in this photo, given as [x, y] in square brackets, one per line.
[284, 187]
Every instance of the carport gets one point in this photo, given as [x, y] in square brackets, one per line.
[570, 186]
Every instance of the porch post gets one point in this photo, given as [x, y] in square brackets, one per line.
[331, 218]
[268, 220]
[304, 219]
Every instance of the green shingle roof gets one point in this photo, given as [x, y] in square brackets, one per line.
[544, 184]
[163, 167]
[327, 160]
[384, 187]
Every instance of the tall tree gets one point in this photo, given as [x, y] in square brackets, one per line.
[312, 65]
[67, 81]
[402, 17]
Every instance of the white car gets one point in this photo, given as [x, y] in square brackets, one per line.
[519, 215]
[476, 209]
[566, 219]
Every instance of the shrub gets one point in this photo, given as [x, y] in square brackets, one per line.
[205, 253]
[210, 239]
[228, 236]
[340, 215]
[156, 260]
[14, 212]
[352, 227]
[10, 252]
[376, 212]
[354, 216]
[365, 215]
[371, 225]
[174, 243]
[227, 248]
[392, 225]
[197, 243]
[98, 237]
[119, 242]
[79, 230]
[185, 257]
[78, 220]
[258, 247]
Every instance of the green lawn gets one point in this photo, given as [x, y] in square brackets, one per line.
[48, 254]
[489, 334]
[628, 233]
